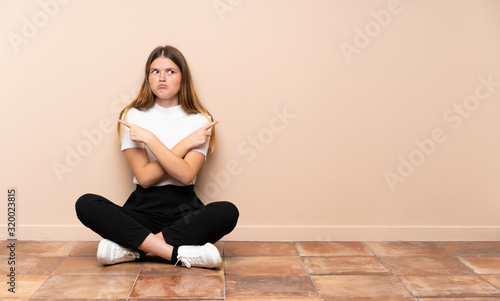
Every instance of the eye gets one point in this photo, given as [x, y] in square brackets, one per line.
[154, 71]
[170, 72]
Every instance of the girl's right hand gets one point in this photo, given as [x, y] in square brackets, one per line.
[137, 134]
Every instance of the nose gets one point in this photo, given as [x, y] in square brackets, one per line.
[163, 76]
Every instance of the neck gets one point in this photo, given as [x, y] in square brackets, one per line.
[167, 103]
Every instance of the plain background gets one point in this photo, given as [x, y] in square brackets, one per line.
[327, 112]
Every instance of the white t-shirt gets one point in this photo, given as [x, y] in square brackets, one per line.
[170, 125]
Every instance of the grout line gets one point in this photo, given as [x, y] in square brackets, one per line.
[307, 270]
[472, 270]
[379, 258]
[135, 281]
[223, 271]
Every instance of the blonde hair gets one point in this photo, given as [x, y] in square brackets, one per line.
[188, 99]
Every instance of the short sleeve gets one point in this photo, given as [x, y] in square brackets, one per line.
[126, 142]
[201, 121]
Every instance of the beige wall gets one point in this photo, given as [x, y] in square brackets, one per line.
[340, 120]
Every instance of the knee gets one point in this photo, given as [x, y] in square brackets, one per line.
[84, 204]
[230, 212]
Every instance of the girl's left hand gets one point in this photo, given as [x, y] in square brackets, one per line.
[137, 134]
[200, 136]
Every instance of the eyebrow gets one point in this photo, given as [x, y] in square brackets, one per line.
[173, 68]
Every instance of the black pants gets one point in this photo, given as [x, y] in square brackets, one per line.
[173, 210]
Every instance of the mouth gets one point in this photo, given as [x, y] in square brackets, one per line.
[162, 86]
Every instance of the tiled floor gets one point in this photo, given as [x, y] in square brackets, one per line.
[262, 271]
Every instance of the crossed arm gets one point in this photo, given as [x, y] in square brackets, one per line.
[181, 162]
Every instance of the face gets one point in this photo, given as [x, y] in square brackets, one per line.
[165, 79]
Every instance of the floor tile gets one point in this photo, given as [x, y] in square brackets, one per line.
[493, 279]
[25, 286]
[457, 299]
[449, 286]
[235, 248]
[400, 248]
[371, 299]
[282, 287]
[29, 265]
[42, 248]
[333, 249]
[425, 265]
[482, 264]
[256, 265]
[90, 266]
[63, 287]
[360, 286]
[276, 299]
[344, 265]
[161, 267]
[472, 247]
[80, 299]
[185, 286]
[86, 248]
[172, 299]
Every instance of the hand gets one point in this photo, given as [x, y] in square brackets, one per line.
[200, 136]
[137, 134]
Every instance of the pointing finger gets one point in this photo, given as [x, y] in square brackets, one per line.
[125, 123]
[210, 125]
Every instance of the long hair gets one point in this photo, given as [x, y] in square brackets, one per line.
[188, 99]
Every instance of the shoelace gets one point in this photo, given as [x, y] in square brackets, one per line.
[189, 258]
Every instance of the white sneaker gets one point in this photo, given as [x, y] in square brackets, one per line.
[109, 252]
[206, 256]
